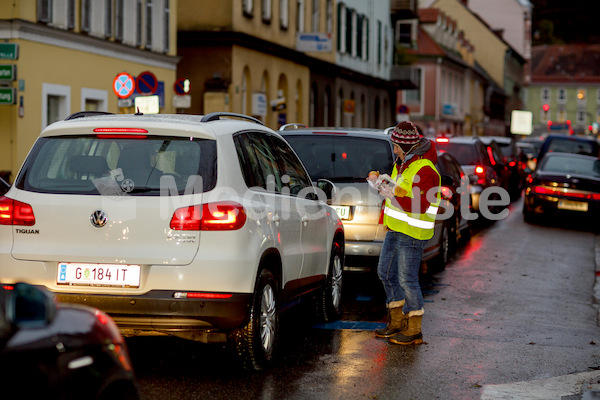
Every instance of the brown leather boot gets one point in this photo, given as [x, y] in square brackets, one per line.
[397, 321]
[412, 334]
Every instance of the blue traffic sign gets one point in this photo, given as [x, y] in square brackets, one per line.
[146, 83]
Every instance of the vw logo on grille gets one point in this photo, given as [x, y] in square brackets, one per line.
[98, 218]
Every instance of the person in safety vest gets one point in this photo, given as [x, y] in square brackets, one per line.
[409, 215]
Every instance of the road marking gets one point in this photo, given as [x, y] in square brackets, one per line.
[542, 389]
[351, 325]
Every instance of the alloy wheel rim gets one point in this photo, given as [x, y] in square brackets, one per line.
[268, 318]
[336, 282]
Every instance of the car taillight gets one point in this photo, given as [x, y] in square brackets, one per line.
[491, 155]
[218, 216]
[446, 192]
[442, 140]
[13, 212]
[550, 191]
[382, 212]
[479, 175]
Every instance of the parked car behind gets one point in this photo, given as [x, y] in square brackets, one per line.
[564, 184]
[346, 156]
[474, 160]
[585, 145]
[202, 227]
[60, 351]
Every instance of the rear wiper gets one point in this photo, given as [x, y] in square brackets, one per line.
[142, 189]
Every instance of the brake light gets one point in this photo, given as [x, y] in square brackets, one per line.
[442, 140]
[446, 192]
[480, 171]
[13, 212]
[491, 155]
[201, 295]
[550, 191]
[218, 216]
[120, 130]
[512, 163]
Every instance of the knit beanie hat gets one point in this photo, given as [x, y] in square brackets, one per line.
[405, 133]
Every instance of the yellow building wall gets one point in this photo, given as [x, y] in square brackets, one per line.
[71, 68]
[489, 49]
[22, 9]
[278, 70]
[206, 14]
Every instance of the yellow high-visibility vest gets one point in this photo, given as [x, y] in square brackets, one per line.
[418, 226]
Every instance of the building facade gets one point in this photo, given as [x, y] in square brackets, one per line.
[62, 56]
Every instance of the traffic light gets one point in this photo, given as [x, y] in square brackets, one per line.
[546, 107]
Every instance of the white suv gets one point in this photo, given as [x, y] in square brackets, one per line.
[202, 227]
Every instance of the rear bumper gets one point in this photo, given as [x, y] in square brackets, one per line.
[367, 248]
[159, 311]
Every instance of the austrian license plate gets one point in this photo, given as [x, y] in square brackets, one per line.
[572, 205]
[98, 275]
[342, 211]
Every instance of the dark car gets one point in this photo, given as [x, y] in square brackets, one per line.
[459, 226]
[345, 156]
[499, 162]
[584, 145]
[563, 184]
[511, 157]
[474, 160]
[4, 186]
[53, 350]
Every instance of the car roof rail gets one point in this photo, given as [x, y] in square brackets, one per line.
[215, 116]
[83, 114]
[292, 126]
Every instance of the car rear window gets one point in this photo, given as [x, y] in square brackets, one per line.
[465, 153]
[114, 165]
[571, 165]
[568, 145]
[340, 157]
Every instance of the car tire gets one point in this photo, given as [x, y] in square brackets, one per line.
[440, 260]
[528, 216]
[254, 344]
[329, 300]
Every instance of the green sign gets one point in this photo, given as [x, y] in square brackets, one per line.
[8, 72]
[9, 51]
[7, 96]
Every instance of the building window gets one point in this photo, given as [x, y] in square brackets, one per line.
[414, 96]
[545, 95]
[138, 23]
[365, 38]
[266, 11]
[94, 99]
[379, 43]
[148, 24]
[300, 16]
[248, 8]
[108, 19]
[405, 33]
[561, 95]
[86, 11]
[329, 21]
[581, 114]
[354, 33]
[44, 11]
[284, 15]
[315, 16]
[119, 20]
[56, 100]
[71, 14]
[167, 27]
[341, 28]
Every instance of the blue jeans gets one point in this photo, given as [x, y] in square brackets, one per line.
[398, 269]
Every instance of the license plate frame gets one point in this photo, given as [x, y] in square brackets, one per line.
[572, 205]
[343, 212]
[105, 275]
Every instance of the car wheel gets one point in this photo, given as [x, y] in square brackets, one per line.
[439, 262]
[329, 301]
[254, 344]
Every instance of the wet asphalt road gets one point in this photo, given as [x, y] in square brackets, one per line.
[512, 313]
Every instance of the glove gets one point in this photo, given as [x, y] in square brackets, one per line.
[399, 192]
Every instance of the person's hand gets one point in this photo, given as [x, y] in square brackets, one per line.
[373, 175]
[385, 191]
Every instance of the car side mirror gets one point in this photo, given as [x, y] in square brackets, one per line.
[327, 187]
[29, 307]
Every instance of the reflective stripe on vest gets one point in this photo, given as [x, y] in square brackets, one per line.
[418, 226]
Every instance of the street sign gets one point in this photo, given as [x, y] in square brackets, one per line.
[184, 101]
[521, 122]
[146, 83]
[308, 41]
[8, 72]
[124, 85]
[124, 103]
[9, 51]
[182, 86]
[8, 96]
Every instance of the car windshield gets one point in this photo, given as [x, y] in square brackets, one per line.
[114, 165]
[341, 157]
[571, 165]
[464, 153]
[569, 145]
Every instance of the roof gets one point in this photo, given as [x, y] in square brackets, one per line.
[566, 63]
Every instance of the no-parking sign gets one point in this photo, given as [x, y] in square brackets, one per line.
[123, 85]
[146, 83]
